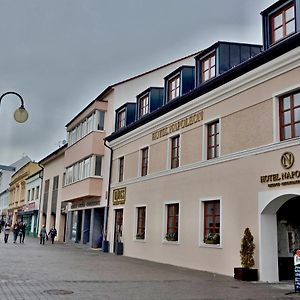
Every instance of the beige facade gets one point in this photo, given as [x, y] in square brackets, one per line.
[247, 181]
[17, 191]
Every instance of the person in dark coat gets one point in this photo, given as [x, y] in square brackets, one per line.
[6, 232]
[16, 232]
[43, 234]
[52, 233]
[23, 230]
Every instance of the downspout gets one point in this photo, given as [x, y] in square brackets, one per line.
[108, 193]
[41, 176]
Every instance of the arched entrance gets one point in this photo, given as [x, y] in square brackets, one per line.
[274, 207]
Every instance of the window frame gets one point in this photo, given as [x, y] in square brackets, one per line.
[202, 223]
[144, 161]
[177, 89]
[282, 12]
[138, 236]
[168, 236]
[144, 105]
[121, 118]
[291, 111]
[121, 165]
[216, 134]
[175, 151]
[208, 58]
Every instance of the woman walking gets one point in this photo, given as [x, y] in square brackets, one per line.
[6, 232]
[43, 234]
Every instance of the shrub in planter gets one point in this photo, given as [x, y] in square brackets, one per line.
[247, 259]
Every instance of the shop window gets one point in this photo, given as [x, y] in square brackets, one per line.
[174, 87]
[141, 223]
[175, 152]
[208, 67]
[213, 140]
[283, 23]
[211, 222]
[172, 211]
[289, 115]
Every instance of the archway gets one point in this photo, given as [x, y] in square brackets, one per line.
[269, 203]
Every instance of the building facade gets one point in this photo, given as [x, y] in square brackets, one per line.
[52, 211]
[191, 175]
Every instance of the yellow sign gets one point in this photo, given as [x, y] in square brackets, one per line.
[119, 196]
[287, 160]
[182, 123]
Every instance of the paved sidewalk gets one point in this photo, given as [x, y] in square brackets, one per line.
[60, 271]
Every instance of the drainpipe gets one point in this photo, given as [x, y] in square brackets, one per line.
[106, 248]
[41, 176]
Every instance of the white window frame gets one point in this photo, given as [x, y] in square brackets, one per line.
[170, 149]
[201, 222]
[140, 160]
[135, 223]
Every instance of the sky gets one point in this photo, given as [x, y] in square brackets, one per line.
[59, 55]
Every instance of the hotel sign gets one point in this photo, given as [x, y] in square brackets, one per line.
[119, 196]
[283, 178]
[182, 123]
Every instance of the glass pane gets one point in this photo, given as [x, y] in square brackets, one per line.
[290, 27]
[297, 129]
[290, 14]
[212, 140]
[212, 72]
[278, 34]
[211, 129]
[297, 114]
[212, 61]
[278, 21]
[217, 208]
[206, 75]
[211, 153]
[286, 103]
[206, 64]
[287, 132]
[287, 117]
[297, 100]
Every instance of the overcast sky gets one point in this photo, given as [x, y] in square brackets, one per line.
[60, 54]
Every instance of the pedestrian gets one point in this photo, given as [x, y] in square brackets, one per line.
[2, 224]
[6, 232]
[16, 232]
[20, 233]
[23, 229]
[43, 234]
[52, 233]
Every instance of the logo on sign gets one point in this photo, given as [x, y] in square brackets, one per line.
[287, 160]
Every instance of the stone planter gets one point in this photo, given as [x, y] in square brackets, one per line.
[246, 274]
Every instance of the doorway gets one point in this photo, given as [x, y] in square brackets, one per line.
[118, 227]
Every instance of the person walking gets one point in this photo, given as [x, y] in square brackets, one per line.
[20, 233]
[6, 232]
[52, 233]
[16, 232]
[43, 234]
[23, 230]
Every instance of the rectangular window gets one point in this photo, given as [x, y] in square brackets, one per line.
[28, 195]
[141, 223]
[32, 194]
[144, 105]
[37, 192]
[174, 87]
[144, 169]
[121, 119]
[283, 23]
[98, 165]
[213, 140]
[100, 123]
[211, 222]
[175, 152]
[208, 67]
[172, 222]
[121, 169]
[289, 114]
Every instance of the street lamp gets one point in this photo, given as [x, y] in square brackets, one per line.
[21, 114]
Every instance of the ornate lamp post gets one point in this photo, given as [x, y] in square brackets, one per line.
[21, 114]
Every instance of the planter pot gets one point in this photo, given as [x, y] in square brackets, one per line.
[119, 248]
[105, 246]
[246, 274]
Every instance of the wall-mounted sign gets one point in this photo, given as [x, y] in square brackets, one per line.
[119, 196]
[283, 178]
[297, 270]
[287, 160]
[182, 123]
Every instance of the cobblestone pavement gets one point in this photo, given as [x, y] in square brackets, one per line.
[60, 271]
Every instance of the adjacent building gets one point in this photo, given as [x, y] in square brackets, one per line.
[219, 152]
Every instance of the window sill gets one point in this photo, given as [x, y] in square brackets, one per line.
[139, 240]
[170, 242]
[215, 246]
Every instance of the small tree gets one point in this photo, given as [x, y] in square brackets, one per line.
[247, 250]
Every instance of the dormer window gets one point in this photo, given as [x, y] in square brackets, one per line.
[144, 106]
[174, 87]
[283, 23]
[208, 67]
[121, 119]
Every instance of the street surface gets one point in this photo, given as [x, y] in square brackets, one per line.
[60, 271]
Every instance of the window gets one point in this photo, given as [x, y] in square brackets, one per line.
[144, 106]
[289, 111]
[283, 23]
[172, 222]
[174, 87]
[32, 194]
[175, 152]
[141, 222]
[37, 192]
[121, 119]
[100, 123]
[98, 164]
[144, 169]
[28, 195]
[121, 169]
[208, 67]
[211, 234]
[213, 146]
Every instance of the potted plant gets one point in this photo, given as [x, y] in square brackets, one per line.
[171, 236]
[247, 273]
[212, 238]
[140, 235]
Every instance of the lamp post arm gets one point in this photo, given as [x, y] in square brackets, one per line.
[13, 93]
